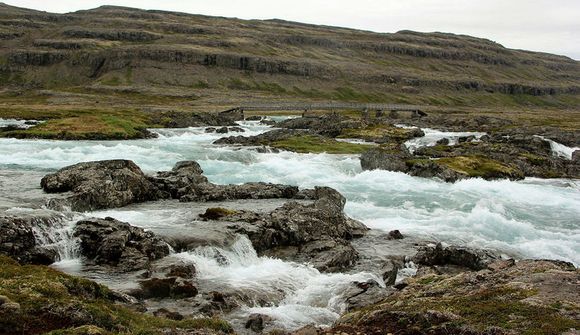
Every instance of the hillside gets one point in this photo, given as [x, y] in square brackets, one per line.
[131, 56]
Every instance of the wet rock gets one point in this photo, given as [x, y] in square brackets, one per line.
[165, 313]
[318, 233]
[172, 287]
[115, 243]
[184, 175]
[268, 122]
[232, 115]
[254, 118]
[267, 150]
[186, 271]
[576, 156]
[361, 294]
[215, 302]
[443, 141]
[464, 139]
[17, 240]
[213, 192]
[256, 322]
[101, 184]
[431, 169]
[210, 130]
[395, 235]
[236, 129]
[464, 257]
[389, 271]
[379, 159]
[222, 130]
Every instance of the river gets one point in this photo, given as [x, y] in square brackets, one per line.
[532, 218]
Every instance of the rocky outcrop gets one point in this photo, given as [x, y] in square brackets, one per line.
[112, 34]
[102, 184]
[117, 183]
[530, 296]
[118, 244]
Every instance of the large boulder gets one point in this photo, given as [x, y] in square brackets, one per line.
[115, 243]
[318, 233]
[101, 184]
[183, 175]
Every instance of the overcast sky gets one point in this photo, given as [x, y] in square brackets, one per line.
[540, 25]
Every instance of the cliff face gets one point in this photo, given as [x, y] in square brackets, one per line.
[117, 46]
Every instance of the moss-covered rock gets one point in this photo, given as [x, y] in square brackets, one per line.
[382, 133]
[49, 300]
[318, 144]
[529, 297]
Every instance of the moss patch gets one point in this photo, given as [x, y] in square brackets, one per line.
[379, 132]
[50, 300]
[317, 144]
[476, 166]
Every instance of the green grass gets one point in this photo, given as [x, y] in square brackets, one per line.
[500, 306]
[81, 124]
[316, 144]
[52, 301]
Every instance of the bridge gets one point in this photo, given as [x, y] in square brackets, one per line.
[413, 110]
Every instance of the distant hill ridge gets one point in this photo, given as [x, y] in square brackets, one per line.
[114, 46]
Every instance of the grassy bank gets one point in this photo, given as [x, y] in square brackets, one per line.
[80, 124]
[39, 299]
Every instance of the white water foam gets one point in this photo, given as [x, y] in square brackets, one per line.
[300, 294]
[562, 150]
[433, 135]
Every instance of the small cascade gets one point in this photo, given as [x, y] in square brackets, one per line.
[54, 230]
[561, 150]
[298, 294]
[409, 269]
[432, 136]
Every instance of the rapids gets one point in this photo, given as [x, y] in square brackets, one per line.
[530, 218]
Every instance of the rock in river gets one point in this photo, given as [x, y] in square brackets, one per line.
[102, 184]
[115, 243]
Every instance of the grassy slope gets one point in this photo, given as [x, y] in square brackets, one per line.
[119, 78]
[341, 64]
[50, 300]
